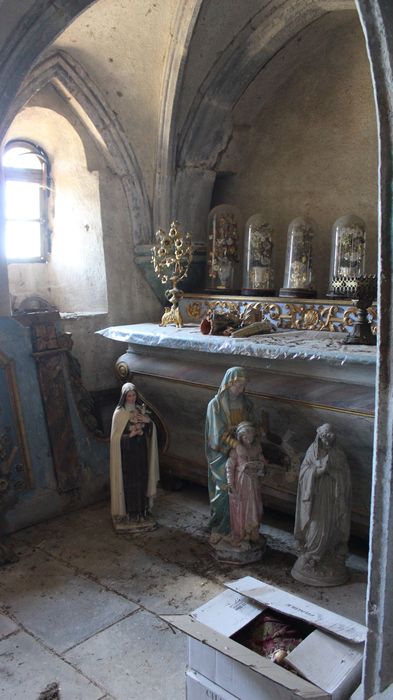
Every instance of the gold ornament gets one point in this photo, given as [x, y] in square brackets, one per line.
[171, 258]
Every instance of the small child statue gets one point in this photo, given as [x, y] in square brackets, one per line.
[245, 467]
[323, 512]
[137, 421]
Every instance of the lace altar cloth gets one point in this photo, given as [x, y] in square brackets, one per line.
[305, 345]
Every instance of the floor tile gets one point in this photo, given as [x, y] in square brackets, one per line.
[94, 598]
[27, 668]
[57, 606]
[148, 580]
[7, 626]
[139, 657]
[145, 569]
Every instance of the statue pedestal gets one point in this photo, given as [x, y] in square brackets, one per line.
[124, 526]
[7, 554]
[319, 574]
[243, 553]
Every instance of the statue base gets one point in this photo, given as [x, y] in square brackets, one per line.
[245, 552]
[361, 335]
[7, 554]
[128, 526]
[297, 293]
[319, 574]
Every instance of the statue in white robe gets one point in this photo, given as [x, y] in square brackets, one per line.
[323, 512]
[134, 468]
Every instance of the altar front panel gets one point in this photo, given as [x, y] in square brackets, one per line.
[292, 395]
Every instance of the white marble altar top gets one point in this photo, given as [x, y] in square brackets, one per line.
[306, 345]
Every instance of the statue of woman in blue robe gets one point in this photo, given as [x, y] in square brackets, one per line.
[225, 411]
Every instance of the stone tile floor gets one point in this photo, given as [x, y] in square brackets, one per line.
[82, 605]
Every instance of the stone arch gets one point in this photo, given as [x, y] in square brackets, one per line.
[184, 24]
[377, 20]
[71, 80]
[34, 32]
[208, 126]
[31, 31]
[205, 133]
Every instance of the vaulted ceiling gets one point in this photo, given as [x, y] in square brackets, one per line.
[175, 79]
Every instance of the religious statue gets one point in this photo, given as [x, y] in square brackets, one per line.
[323, 512]
[225, 411]
[134, 470]
[244, 467]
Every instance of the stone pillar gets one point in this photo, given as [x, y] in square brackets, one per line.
[5, 307]
[193, 193]
[377, 19]
[182, 32]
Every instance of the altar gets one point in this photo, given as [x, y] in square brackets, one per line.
[298, 379]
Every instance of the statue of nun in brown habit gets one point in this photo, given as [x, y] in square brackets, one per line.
[134, 470]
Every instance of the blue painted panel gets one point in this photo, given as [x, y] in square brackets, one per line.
[24, 507]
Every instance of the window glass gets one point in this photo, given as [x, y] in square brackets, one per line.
[21, 157]
[22, 200]
[22, 239]
[26, 174]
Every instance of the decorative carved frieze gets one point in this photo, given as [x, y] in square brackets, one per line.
[302, 315]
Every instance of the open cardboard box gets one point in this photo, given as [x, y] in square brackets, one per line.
[329, 659]
[199, 687]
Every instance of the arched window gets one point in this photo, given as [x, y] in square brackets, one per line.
[27, 178]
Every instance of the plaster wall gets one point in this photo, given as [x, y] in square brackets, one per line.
[74, 277]
[50, 98]
[312, 149]
[130, 298]
[124, 53]
[91, 276]
[218, 22]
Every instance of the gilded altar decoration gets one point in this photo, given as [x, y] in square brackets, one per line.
[224, 224]
[285, 315]
[194, 311]
[122, 371]
[235, 321]
[298, 277]
[348, 255]
[362, 290]
[171, 257]
[258, 274]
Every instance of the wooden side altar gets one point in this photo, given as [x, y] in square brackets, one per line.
[299, 379]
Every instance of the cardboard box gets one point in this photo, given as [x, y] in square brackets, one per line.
[329, 659]
[200, 688]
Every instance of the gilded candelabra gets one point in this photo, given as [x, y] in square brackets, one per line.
[171, 257]
[362, 290]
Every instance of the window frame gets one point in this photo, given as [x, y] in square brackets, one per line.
[43, 178]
